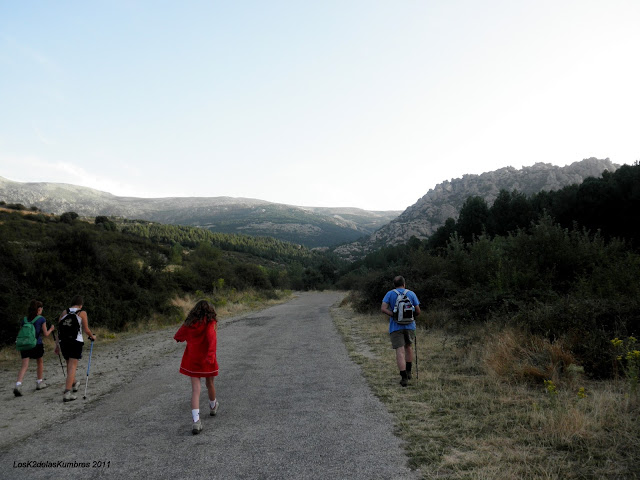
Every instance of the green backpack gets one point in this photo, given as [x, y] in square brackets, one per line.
[26, 339]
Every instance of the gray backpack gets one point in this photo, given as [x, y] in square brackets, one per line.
[403, 310]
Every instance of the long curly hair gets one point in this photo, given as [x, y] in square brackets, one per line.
[202, 311]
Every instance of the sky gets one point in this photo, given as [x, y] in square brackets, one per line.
[346, 103]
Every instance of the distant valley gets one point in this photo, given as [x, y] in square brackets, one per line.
[353, 231]
[309, 226]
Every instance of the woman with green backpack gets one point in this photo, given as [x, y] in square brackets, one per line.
[34, 317]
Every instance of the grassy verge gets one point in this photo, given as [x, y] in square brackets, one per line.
[228, 304]
[234, 303]
[461, 420]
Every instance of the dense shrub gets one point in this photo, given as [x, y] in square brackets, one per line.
[124, 278]
[566, 285]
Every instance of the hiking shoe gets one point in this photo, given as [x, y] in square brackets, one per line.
[404, 382]
[41, 385]
[197, 427]
[214, 410]
[68, 397]
[76, 384]
[17, 391]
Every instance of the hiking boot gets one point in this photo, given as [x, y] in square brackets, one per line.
[41, 385]
[76, 384]
[17, 391]
[197, 427]
[404, 382]
[409, 375]
[68, 397]
[214, 410]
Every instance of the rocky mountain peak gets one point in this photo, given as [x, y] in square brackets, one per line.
[445, 199]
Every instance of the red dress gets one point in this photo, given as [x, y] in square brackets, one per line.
[199, 358]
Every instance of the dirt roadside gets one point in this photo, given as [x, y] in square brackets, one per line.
[113, 363]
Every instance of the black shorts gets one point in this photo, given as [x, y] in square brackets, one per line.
[71, 349]
[35, 353]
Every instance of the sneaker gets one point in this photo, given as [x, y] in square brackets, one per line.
[404, 382]
[41, 385]
[214, 410]
[17, 391]
[197, 427]
[76, 384]
[68, 397]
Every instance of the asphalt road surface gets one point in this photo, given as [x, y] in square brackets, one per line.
[292, 405]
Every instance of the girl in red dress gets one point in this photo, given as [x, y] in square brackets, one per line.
[199, 359]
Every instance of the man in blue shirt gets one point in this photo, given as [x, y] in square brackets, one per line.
[402, 336]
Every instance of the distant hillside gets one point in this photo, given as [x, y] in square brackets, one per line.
[445, 199]
[309, 226]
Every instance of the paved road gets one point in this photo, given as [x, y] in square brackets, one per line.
[292, 405]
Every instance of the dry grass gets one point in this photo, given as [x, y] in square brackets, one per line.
[466, 418]
[231, 303]
[237, 303]
[514, 354]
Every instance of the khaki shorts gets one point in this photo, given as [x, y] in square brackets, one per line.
[400, 338]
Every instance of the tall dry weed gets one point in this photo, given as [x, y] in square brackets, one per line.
[521, 356]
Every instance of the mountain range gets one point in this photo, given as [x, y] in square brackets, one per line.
[354, 231]
[309, 226]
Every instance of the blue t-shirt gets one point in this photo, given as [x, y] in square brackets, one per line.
[38, 326]
[390, 299]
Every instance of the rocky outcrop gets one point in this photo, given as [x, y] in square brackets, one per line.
[445, 200]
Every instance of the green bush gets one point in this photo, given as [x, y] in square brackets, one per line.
[559, 283]
[124, 278]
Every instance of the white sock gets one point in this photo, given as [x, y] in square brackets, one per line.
[212, 403]
[195, 413]
[18, 384]
[39, 381]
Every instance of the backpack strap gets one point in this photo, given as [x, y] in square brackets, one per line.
[69, 312]
[399, 296]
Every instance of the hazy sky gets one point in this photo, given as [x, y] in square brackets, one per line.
[358, 103]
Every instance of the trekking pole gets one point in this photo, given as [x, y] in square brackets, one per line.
[417, 371]
[59, 357]
[88, 367]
